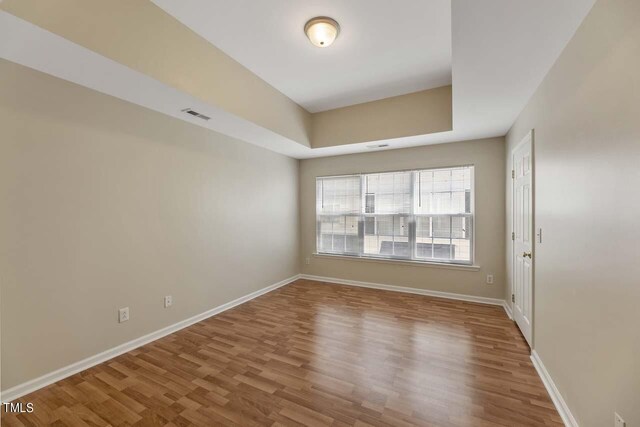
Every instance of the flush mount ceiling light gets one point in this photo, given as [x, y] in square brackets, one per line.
[322, 31]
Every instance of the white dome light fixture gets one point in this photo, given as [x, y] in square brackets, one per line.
[322, 31]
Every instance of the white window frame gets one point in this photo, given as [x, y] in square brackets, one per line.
[412, 235]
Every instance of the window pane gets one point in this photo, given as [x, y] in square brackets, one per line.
[441, 227]
[443, 238]
[423, 214]
[369, 203]
[338, 195]
[441, 180]
[387, 235]
[461, 249]
[461, 179]
[388, 193]
[369, 225]
[441, 249]
[443, 191]
[458, 227]
[338, 234]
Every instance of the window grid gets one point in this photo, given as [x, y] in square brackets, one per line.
[422, 215]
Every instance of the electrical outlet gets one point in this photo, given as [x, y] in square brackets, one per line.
[123, 314]
[168, 300]
[619, 421]
[307, 260]
[489, 279]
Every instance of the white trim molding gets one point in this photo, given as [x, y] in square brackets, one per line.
[556, 397]
[439, 294]
[507, 309]
[50, 378]
[449, 266]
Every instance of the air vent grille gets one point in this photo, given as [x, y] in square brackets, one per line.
[196, 114]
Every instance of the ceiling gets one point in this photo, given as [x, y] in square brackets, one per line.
[381, 51]
[501, 51]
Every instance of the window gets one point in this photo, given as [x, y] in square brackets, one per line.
[421, 215]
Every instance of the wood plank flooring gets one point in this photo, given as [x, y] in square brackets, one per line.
[314, 354]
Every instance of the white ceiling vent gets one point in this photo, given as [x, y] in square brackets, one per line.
[196, 114]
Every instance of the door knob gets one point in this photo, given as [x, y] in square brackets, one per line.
[525, 254]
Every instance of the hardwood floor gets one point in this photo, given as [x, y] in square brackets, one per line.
[315, 354]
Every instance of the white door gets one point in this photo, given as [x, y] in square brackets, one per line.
[523, 236]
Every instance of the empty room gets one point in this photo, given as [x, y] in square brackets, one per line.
[320, 213]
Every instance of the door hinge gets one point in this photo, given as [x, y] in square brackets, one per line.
[513, 298]
[513, 174]
[513, 235]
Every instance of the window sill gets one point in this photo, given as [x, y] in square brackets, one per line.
[402, 261]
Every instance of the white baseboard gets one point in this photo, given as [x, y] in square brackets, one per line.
[556, 397]
[37, 383]
[507, 309]
[439, 294]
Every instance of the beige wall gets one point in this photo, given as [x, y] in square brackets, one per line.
[104, 204]
[418, 113]
[587, 159]
[488, 158]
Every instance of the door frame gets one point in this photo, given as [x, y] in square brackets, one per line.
[530, 136]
